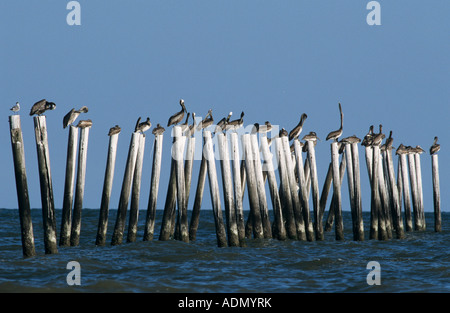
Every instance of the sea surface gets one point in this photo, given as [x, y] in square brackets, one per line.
[418, 263]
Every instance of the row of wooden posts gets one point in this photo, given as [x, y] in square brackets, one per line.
[290, 200]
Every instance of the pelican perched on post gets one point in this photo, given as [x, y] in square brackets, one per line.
[263, 128]
[367, 141]
[337, 133]
[192, 127]
[185, 125]
[377, 138]
[222, 123]
[207, 121]
[41, 106]
[435, 147]
[158, 130]
[283, 132]
[297, 129]
[16, 107]
[401, 150]
[114, 130]
[70, 117]
[351, 139]
[144, 126]
[236, 123]
[84, 123]
[312, 136]
[177, 117]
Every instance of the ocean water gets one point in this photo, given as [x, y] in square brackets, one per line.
[418, 263]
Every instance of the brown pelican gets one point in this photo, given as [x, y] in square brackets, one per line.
[177, 117]
[337, 133]
[401, 150]
[207, 121]
[263, 128]
[312, 136]
[16, 108]
[158, 130]
[418, 149]
[185, 125]
[144, 126]
[192, 127]
[41, 106]
[70, 117]
[435, 147]
[283, 132]
[222, 123]
[298, 129]
[389, 141]
[114, 130]
[351, 139]
[377, 138]
[84, 123]
[367, 141]
[236, 123]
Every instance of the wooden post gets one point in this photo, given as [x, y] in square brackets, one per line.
[398, 222]
[285, 195]
[304, 226]
[135, 191]
[193, 226]
[66, 219]
[154, 186]
[20, 173]
[339, 225]
[406, 195]
[237, 187]
[330, 217]
[214, 189]
[170, 204]
[436, 193]
[351, 188]
[325, 190]
[106, 193]
[315, 190]
[414, 193]
[48, 204]
[119, 227]
[383, 220]
[255, 212]
[279, 229]
[79, 187]
[357, 192]
[421, 213]
[230, 211]
[260, 187]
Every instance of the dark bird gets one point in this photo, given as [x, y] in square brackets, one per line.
[192, 127]
[41, 106]
[158, 130]
[312, 136]
[177, 117]
[351, 139]
[207, 121]
[114, 130]
[401, 150]
[263, 128]
[297, 129]
[283, 132]
[144, 126]
[70, 117]
[418, 149]
[389, 141]
[236, 123]
[367, 141]
[185, 125]
[222, 123]
[378, 138]
[84, 123]
[435, 147]
[337, 133]
[16, 107]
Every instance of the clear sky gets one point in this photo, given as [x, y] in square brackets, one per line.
[272, 59]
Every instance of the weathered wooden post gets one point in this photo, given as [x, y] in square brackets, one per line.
[20, 173]
[421, 213]
[214, 189]
[79, 187]
[383, 218]
[260, 187]
[66, 218]
[135, 191]
[398, 222]
[414, 193]
[237, 187]
[403, 170]
[170, 204]
[436, 193]
[304, 226]
[378, 227]
[325, 190]
[255, 212]
[230, 211]
[154, 186]
[315, 190]
[279, 228]
[351, 187]
[48, 204]
[285, 195]
[357, 195]
[107, 187]
[119, 227]
[339, 225]
[193, 226]
[330, 217]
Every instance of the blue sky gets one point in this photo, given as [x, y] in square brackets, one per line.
[272, 59]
